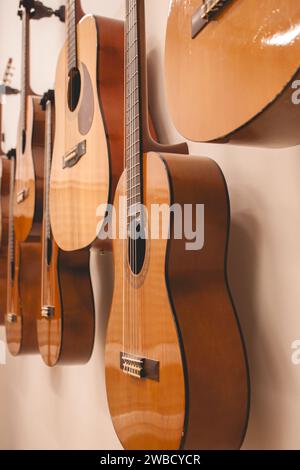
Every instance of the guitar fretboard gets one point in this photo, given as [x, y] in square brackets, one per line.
[11, 235]
[25, 57]
[71, 34]
[48, 154]
[132, 106]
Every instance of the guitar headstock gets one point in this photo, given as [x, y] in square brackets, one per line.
[8, 74]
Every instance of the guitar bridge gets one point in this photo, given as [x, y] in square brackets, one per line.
[138, 367]
[48, 311]
[206, 13]
[11, 317]
[22, 195]
[71, 158]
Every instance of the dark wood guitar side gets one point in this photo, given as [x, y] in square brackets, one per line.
[176, 368]
[23, 286]
[5, 179]
[26, 206]
[4, 193]
[230, 66]
[66, 322]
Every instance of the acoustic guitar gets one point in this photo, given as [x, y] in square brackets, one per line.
[176, 370]
[231, 70]
[65, 323]
[28, 201]
[6, 89]
[88, 144]
[26, 206]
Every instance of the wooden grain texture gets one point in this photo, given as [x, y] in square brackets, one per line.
[4, 221]
[29, 174]
[233, 80]
[178, 311]
[68, 336]
[88, 184]
[22, 299]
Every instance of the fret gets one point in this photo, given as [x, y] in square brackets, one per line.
[131, 178]
[132, 107]
[71, 34]
[24, 85]
[48, 153]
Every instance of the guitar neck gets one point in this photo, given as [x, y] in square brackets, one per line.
[25, 72]
[137, 136]
[11, 237]
[133, 104]
[71, 34]
[47, 169]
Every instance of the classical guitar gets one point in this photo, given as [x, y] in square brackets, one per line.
[6, 89]
[28, 201]
[65, 323]
[231, 68]
[176, 371]
[87, 153]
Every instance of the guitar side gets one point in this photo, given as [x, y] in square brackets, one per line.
[67, 336]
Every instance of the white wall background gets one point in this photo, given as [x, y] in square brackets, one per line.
[65, 408]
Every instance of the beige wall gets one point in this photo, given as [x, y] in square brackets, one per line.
[66, 407]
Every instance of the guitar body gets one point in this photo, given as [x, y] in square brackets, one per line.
[67, 337]
[186, 324]
[77, 190]
[4, 224]
[28, 213]
[23, 293]
[233, 80]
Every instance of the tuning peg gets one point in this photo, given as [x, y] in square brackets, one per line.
[8, 90]
[61, 13]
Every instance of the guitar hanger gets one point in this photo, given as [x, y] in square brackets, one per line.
[37, 10]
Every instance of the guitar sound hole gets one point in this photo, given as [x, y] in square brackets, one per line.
[74, 89]
[23, 141]
[137, 251]
[49, 251]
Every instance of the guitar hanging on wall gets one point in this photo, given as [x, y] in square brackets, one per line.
[26, 206]
[176, 371]
[6, 89]
[87, 153]
[65, 324]
[231, 70]
[89, 131]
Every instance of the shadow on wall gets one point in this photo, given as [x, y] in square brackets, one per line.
[243, 268]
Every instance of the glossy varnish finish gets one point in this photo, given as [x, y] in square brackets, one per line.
[22, 295]
[28, 215]
[233, 80]
[176, 310]
[91, 181]
[4, 222]
[67, 335]
[186, 322]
